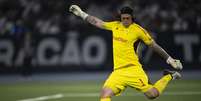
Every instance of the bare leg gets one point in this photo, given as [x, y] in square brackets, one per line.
[106, 94]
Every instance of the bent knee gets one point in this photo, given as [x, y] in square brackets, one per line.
[106, 92]
[152, 97]
[152, 93]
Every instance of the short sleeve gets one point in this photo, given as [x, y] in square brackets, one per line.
[145, 36]
[109, 25]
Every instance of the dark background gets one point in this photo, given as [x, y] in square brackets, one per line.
[26, 24]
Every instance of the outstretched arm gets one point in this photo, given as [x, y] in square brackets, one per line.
[173, 62]
[95, 21]
[91, 19]
[156, 48]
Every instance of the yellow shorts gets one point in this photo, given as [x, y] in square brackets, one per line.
[133, 77]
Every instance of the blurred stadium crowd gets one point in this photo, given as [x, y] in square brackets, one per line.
[52, 16]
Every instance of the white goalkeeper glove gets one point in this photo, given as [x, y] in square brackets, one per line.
[174, 63]
[78, 12]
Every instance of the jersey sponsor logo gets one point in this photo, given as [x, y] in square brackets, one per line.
[120, 39]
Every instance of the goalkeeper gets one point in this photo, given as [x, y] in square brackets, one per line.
[128, 72]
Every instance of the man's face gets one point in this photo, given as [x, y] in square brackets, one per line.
[126, 19]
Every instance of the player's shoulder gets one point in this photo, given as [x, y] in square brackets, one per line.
[135, 25]
[138, 27]
[141, 29]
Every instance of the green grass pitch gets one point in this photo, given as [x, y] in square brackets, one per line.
[181, 90]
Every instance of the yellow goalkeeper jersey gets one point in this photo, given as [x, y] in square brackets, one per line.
[124, 38]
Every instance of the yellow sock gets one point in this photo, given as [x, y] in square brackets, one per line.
[162, 83]
[106, 99]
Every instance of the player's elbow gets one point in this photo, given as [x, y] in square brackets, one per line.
[152, 44]
[99, 24]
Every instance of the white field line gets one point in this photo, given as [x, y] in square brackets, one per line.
[43, 98]
[168, 93]
[131, 94]
[58, 96]
[183, 93]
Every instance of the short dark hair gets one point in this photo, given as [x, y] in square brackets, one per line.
[126, 10]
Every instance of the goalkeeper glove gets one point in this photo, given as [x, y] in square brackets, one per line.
[78, 12]
[174, 63]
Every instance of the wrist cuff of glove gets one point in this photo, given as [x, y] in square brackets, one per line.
[168, 61]
[84, 15]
